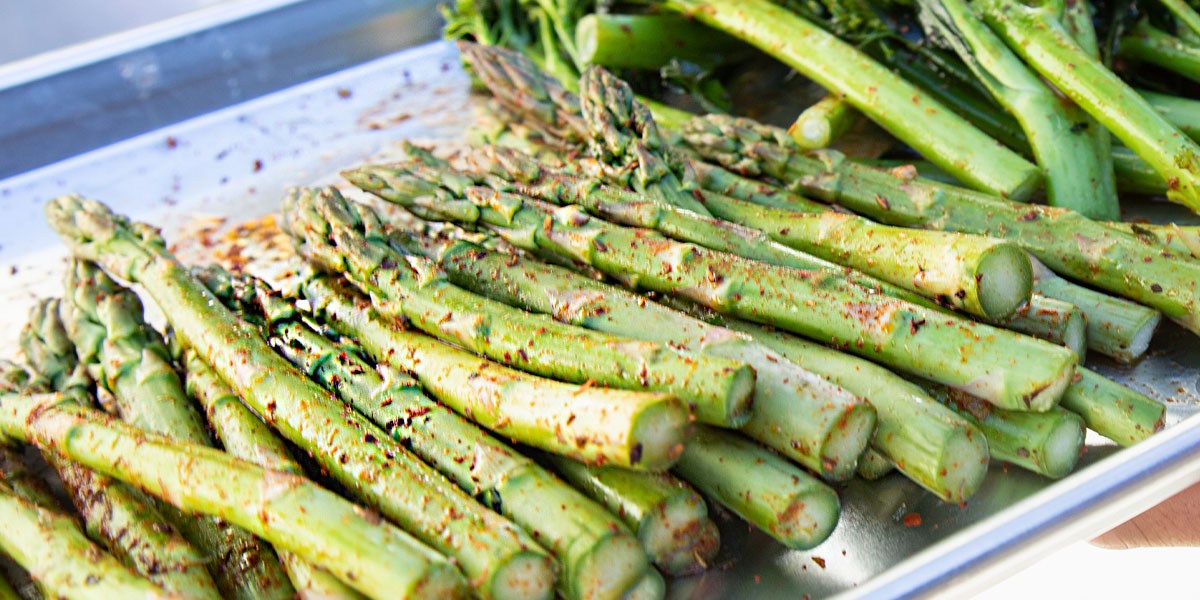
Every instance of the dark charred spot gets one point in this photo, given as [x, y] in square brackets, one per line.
[915, 326]
[1029, 216]
[635, 455]
[1156, 288]
[369, 438]
[882, 202]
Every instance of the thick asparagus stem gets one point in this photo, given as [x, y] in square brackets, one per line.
[244, 436]
[347, 237]
[823, 122]
[284, 509]
[1113, 410]
[1052, 320]
[788, 504]
[669, 517]
[498, 558]
[120, 517]
[1116, 327]
[901, 334]
[899, 107]
[60, 558]
[23, 482]
[1035, 34]
[598, 557]
[356, 318]
[1078, 170]
[873, 465]
[650, 41]
[1046, 443]
[1149, 44]
[127, 357]
[1064, 240]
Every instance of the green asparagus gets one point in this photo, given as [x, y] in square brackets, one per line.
[346, 237]
[606, 39]
[823, 122]
[244, 436]
[1149, 44]
[1113, 410]
[498, 558]
[1064, 240]
[598, 557]
[1052, 320]
[1183, 240]
[873, 465]
[285, 509]
[60, 558]
[127, 357]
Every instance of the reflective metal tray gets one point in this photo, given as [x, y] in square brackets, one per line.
[234, 160]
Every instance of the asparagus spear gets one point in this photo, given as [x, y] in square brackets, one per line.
[1036, 34]
[1064, 240]
[6, 589]
[598, 557]
[899, 107]
[873, 465]
[1183, 113]
[1149, 44]
[897, 333]
[244, 436]
[345, 237]
[1113, 410]
[495, 555]
[823, 122]
[285, 509]
[788, 504]
[669, 517]
[127, 357]
[60, 558]
[1052, 320]
[1116, 327]
[120, 517]
[606, 39]
[751, 483]
[1078, 168]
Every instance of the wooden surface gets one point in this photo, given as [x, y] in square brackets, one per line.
[1175, 522]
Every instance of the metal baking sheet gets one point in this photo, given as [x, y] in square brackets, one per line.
[235, 162]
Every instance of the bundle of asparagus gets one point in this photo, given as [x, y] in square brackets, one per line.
[544, 395]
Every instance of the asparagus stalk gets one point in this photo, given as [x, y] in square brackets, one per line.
[60, 558]
[1078, 168]
[244, 436]
[650, 41]
[344, 236]
[127, 357]
[598, 557]
[823, 122]
[755, 481]
[1113, 410]
[788, 504]
[1064, 240]
[120, 517]
[902, 109]
[495, 555]
[6, 589]
[285, 509]
[1053, 320]
[1038, 37]
[1188, 21]
[1183, 113]
[1149, 44]
[897, 333]
[1136, 176]
[1116, 328]
[1184, 240]
[669, 517]
[1046, 443]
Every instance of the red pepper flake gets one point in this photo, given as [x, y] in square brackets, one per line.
[912, 520]
[820, 561]
[1029, 216]
[343, 93]
[258, 165]
[172, 142]
[881, 201]
[757, 579]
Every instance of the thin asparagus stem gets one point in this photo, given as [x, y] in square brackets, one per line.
[823, 122]
[284, 509]
[1149, 44]
[650, 41]
[925, 124]
[873, 465]
[499, 559]
[1183, 113]
[1113, 410]
[127, 357]
[598, 557]
[1053, 320]
[60, 558]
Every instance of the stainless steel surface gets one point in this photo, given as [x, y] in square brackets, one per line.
[236, 162]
